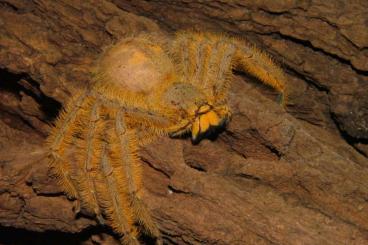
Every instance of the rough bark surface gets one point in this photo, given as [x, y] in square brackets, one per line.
[273, 177]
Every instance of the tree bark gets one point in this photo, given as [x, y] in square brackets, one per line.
[274, 176]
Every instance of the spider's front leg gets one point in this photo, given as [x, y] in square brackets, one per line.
[207, 61]
[252, 60]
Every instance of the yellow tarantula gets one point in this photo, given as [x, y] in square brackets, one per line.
[145, 87]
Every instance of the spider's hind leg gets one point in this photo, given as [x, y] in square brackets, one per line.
[110, 183]
[60, 139]
[84, 170]
[127, 149]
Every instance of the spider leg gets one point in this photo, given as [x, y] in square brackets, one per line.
[257, 63]
[83, 173]
[127, 150]
[60, 139]
[206, 61]
[219, 73]
[112, 199]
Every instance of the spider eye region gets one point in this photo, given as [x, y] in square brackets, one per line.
[184, 96]
[205, 120]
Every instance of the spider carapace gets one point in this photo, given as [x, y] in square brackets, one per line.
[144, 87]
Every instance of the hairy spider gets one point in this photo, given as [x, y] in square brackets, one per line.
[145, 87]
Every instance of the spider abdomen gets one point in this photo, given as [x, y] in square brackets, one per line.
[136, 65]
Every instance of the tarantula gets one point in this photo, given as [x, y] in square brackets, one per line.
[145, 87]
